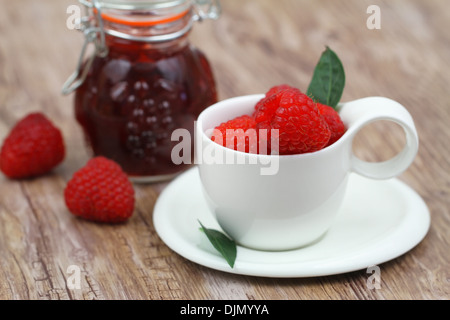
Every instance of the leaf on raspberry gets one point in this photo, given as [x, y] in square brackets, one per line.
[327, 84]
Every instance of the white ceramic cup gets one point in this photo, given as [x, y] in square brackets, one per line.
[295, 202]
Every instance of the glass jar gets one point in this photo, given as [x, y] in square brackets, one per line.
[143, 81]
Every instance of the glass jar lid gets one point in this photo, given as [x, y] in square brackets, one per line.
[205, 9]
[152, 21]
[136, 4]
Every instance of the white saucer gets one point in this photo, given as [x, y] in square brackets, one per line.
[379, 221]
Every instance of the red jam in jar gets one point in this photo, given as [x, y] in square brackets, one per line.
[145, 81]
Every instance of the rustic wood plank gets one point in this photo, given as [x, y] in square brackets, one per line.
[254, 45]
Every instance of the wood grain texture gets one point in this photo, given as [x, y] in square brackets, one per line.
[254, 45]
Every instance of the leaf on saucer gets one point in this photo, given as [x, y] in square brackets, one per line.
[327, 84]
[223, 244]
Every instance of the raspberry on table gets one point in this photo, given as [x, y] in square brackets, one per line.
[334, 121]
[33, 147]
[101, 192]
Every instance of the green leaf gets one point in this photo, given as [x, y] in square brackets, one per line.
[223, 244]
[328, 81]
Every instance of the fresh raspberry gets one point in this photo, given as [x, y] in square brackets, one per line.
[265, 108]
[334, 122]
[239, 132]
[33, 147]
[278, 89]
[100, 191]
[301, 127]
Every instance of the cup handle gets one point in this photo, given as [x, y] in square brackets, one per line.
[359, 113]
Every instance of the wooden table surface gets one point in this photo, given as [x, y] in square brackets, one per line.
[254, 45]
